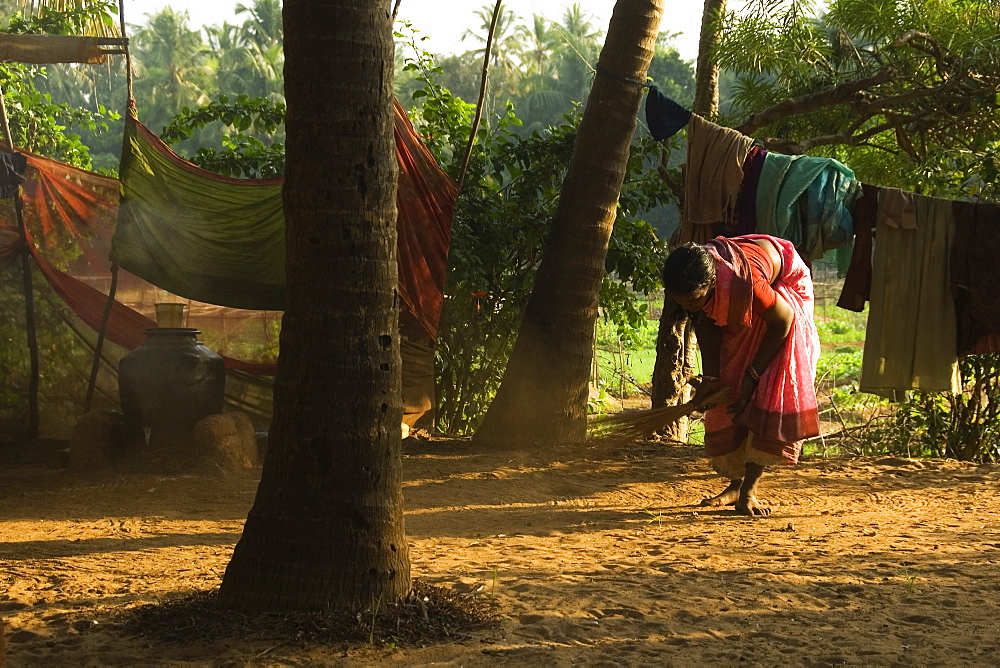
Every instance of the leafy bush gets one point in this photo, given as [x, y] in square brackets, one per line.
[248, 145]
[963, 426]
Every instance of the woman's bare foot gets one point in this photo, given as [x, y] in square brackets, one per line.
[749, 505]
[726, 497]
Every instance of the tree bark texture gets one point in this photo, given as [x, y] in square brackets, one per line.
[326, 527]
[675, 356]
[543, 395]
[706, 92]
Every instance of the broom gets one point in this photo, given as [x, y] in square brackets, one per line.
[643, 424]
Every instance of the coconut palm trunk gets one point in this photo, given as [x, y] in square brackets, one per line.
[706, 80]
[543, 395]
[326, 527]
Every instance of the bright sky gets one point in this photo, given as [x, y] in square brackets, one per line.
[444, 22]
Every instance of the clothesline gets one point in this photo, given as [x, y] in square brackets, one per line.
[929, 279]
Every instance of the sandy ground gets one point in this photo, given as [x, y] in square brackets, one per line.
[600, 555]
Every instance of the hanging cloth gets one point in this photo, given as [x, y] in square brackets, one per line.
[221, 240]
[714, 174]
[910, 343]
[806, 200]
[197, 234]
[664, 116]
[974, 276]
[858, 281]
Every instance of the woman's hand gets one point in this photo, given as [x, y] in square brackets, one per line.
[706, 387]
[748, 386]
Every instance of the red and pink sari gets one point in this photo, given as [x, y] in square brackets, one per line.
[783, 411]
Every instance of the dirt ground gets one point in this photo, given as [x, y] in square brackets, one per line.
[596, 554]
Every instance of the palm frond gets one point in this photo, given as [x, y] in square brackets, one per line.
[98, 24]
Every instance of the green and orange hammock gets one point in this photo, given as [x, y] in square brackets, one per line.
[204, 237]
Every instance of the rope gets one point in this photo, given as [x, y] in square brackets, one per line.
[99, 346]
[130, 105]
[569, 43]
[614, 75]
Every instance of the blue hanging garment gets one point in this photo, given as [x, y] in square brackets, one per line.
[664, 116]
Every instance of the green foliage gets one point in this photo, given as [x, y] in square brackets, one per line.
[847, 330]
[624, 356]
[37, 123]
[671, 73]
[930, 126]
[962, 426]
[250, 121]
[97, 17]
[544, 67]
[64, 363]
[41, 126]
[842, 365]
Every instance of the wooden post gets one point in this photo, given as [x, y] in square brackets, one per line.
[29, 296]
[99, 346]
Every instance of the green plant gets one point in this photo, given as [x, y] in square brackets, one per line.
[249, 148]
[910, 577]
[371, 633]
[964, 425]
[654, 517]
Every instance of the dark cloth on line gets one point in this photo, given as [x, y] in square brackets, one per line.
[858, 282]
[973, 274]
[664, 116]
[910, 338]
[746, 204]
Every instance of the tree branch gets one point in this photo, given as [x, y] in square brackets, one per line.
[791, 147]
[804, 104]
[676, 188]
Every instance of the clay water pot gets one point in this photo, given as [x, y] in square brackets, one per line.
[169, 382]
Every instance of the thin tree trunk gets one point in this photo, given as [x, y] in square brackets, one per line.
[483, 84]
[706, 92]
[676, 345]
[674, 365]
[543, 396]
[326, 528]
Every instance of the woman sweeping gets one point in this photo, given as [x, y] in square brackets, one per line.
[752, 298]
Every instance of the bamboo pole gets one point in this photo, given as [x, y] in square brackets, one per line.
[95, 367]
[128, 57]
[29, 294]
[482, 94]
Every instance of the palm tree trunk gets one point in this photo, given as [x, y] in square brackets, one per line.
[543, 396]
[706, 81]
[326, 528]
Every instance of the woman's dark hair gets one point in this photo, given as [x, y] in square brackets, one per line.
[688, 270]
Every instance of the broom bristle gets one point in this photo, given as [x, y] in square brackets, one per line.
[642, 424]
